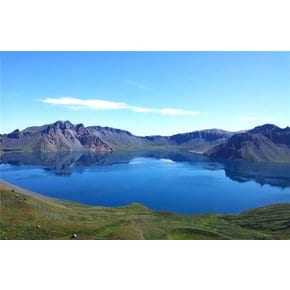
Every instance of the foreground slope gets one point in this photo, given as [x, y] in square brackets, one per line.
[26, 216]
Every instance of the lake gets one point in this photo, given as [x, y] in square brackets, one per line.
[181, 182]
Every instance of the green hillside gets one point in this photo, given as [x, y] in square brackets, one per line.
[29, 217]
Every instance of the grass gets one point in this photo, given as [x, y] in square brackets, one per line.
[29, 217]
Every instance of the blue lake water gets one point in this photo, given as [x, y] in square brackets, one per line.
[172, 181]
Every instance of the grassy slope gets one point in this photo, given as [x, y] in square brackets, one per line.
[28, 217]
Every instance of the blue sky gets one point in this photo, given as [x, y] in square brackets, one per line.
[146, 93]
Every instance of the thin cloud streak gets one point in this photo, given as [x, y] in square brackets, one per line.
[248, 118]
[137, 85]
[97, 104]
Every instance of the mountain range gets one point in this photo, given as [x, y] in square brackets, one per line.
[263, 143]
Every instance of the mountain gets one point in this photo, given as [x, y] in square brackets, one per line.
[59, 136]
[263, 143]
[116, 138]
[67, 137]
[200, 141]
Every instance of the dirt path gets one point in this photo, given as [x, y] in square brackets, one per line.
[141, 234]
[139, 231]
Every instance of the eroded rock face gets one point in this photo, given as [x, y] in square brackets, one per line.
[94, 144]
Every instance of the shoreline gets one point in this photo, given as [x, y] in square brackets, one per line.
[25, 191]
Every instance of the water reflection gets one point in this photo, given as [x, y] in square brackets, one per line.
[274, 174]
[64, 164]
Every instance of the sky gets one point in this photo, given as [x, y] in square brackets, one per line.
[146, 93]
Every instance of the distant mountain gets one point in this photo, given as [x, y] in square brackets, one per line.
[200, 141]
[263, 143]
[65, 136]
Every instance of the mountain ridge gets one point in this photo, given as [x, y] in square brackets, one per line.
[263, 143]
[267, 142]
[65, 136]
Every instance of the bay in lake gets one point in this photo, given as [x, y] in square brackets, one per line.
[173, 181]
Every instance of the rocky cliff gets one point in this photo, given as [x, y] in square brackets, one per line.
[59, 136]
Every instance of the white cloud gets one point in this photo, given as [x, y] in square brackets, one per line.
[96, 104]
[177, 112]
[90, 104]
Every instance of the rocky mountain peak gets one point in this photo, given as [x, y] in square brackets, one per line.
[15, 134]
[264, 129]
[62, 125]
